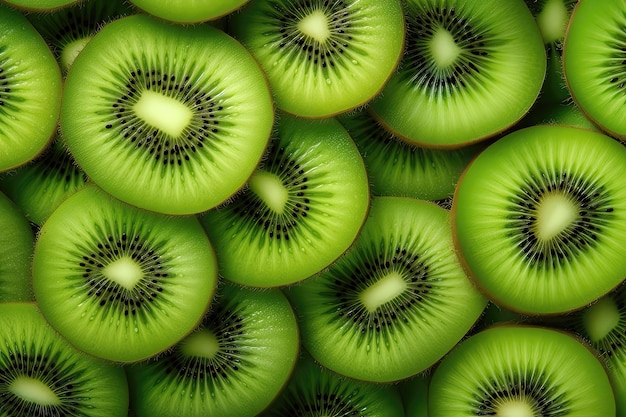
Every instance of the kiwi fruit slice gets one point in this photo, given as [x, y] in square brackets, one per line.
[316, 391]
[398, 168]
[41, 5]
[234, 364]
[41, 185]
[17, 243]
[118, 282]
[68, 29]
[470, 70]
[396, 302]
[43, 375]
[189, 11]
[30, 90]
[539, 218]
[301, 209]
[322, 57]
[166, 117]
[594, 54]
[520, 371]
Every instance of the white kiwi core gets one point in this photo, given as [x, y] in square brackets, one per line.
[202, 344]
[382, 291]
[269, 188]
[552, 21]
[315, 25]
[71, 50]
[34, 391]
[600, 318]
[555, 213]
[124, 271]
[164, 113]
[515, 408]
[443, 48]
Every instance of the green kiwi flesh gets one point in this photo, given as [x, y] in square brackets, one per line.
[470, 70]
[158, 129]
[315, 391]
[234, 364]
[43, 375]
[520, 371]
[301, 209]
[118, 282]
[540, 216]
[399, 168]
[322, 57]
[30, 90]
[189, 11]
[39, 186]
[594, 55]
[17, 243]
[396, 302]
[41, 5]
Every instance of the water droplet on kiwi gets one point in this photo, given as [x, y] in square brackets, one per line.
[275, 63]
[136, 330]
[328, 81]
[367, 348]
[355, 62]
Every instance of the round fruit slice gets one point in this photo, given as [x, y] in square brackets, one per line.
[43, 375]
[540, 218]
[396, 302]
[315, 391]
[523, 372]
[301, 209]
[118, 282]
[166, 117]
[470, 70]
[594, 56]
[234, 364]
[322, 57]
[30, 90]
[189, 11]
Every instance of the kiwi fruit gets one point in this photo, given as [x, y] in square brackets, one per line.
[594, 54]
[233, 365]
[118, 282]
[322, 57]
[39, 186]
[30, 90]
[41, 375]
[470, 70]
[399, 168]
[603, 326]
[301, 209]
[521, 371]
[169, 118]
[189, 11]
[68, 29]
[41, 5]
[396, 302]
[316, 391]
[17, 243]
[539, 218]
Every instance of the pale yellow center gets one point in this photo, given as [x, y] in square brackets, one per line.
[162, 112]
[600, 318]
[515, 408]
[203, 344]
[34, 391]
[552, 20]
[382, 291]
[315, 25]
[124, 271]
[269, 188]
[555, 213]
[443, 48]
